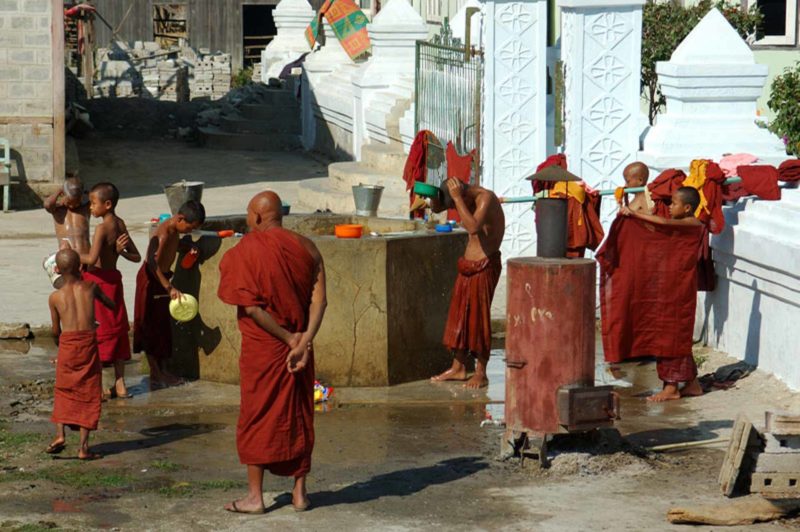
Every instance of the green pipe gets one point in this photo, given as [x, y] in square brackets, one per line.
[607, 192]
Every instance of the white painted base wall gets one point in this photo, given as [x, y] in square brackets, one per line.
[755, 310]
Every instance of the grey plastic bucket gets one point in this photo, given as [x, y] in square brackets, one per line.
[181, 192]
[367, 198]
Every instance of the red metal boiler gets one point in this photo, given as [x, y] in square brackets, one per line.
[550, 350]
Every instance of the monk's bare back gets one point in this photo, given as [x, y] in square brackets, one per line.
[110, 230]
[73, 305]
[72, 226]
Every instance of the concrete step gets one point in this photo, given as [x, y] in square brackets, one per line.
[270, 113]
[237, 124]
[321, 193]
[217, 139]
[384, 157]
[277, 97]
[345, 175]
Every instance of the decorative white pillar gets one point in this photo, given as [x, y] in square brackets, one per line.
[711, 83]
[291, 18]
[393, 34]
[601, 48]
[514, 113]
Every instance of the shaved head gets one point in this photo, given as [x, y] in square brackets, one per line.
[73, 188]
[264, 211]
[637, 171]
[68, 262]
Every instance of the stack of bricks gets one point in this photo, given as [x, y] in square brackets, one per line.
[26, 86]
[777, 471]
[256, 72]
[174, 74]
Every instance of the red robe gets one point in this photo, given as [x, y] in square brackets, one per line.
[272, 270]
[113, 326]
[460, 167]
[416, 167]
[648, 294]
[152, 322]
[789, 171]
[78, 386]
[469, 322]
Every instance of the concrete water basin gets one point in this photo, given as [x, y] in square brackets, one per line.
[388, 298]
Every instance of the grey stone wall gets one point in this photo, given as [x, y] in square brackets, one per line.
[26, 86]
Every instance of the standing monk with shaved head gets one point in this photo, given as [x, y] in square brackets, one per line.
[276, 279]
[636, 175]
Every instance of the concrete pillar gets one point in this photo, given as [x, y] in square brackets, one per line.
[514, 114]
[601, 43]
[712, 83]
[393, 34]
[291, 18]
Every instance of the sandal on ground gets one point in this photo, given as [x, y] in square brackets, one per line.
[55, 448]
[235, 509]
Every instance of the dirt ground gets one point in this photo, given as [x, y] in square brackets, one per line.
[409, 457]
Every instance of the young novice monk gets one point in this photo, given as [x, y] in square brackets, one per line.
[675, 370]
[111, 240]
[636, 175]
[78, 370]
[152, 322]
[71, 220]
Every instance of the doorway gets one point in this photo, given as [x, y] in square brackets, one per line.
[258, 30]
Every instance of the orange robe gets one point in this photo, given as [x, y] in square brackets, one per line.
[78, 386]
[469, 322]
[274, 271]
[113, 326]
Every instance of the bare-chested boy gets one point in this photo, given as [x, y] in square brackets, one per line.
[682, 369]
[71, 219]
[111, 240]
[78, 369]
[152, 328]
[636, 175]
[468, 328]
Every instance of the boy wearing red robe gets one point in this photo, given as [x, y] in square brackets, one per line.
[111, 240]
[78, 386]
[675, 364]
[469, 329]
[276, 279]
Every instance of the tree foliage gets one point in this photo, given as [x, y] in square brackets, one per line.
[666, 23]
[783, 100]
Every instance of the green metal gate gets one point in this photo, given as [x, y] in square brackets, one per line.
[448, 99]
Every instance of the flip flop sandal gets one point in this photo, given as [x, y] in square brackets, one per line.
[55, 448]
[236, 510]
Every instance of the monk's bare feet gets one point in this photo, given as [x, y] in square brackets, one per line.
[300, 500]
[452, 374]
[248, 505]
[57, 445]
[476, 381]
[692, 389]
[669, 393]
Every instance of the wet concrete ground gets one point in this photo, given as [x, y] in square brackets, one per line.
[408, 457]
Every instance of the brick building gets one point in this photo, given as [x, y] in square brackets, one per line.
[32, 87]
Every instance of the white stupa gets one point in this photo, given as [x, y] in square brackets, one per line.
[711, 84]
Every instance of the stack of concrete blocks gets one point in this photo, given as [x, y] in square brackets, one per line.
[212, 76]
[173, 81]
[777, 472]
[256, 77]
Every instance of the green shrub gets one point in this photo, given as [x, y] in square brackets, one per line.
[666, 23]
[242, 77]
[783, 100]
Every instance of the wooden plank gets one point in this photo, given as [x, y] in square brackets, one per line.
[738, 463]
[59, 97]
[32, 120]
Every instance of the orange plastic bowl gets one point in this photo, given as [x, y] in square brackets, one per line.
[348, 231]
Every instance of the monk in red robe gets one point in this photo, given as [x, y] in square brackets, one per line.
[276, 279]
[78, 371]
[111, 240]
[469, 329]
[648, 291]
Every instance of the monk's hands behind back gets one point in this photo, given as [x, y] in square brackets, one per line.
[300, 350]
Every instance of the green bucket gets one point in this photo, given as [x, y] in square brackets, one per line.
[425, 190]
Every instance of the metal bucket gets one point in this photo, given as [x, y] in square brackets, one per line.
[181, 192]
[367, 198]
